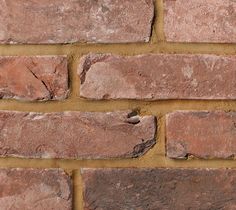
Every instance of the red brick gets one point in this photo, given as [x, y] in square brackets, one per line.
[75, 134]
[200, 21]
[157, 76]
[202, 134]
[35, 189]
[34, 78]
[60, 21]
[124, 189]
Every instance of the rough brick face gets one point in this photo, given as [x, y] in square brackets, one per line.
[125, 189]
[160, 76]
[201, 134]
[200, 21]
[59, 21]
[56, 89]
[75, 134]
[34, 77]
[35, 189]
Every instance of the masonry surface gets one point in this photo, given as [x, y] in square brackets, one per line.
[117, 105]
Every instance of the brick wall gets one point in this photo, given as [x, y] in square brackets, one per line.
[117, 104]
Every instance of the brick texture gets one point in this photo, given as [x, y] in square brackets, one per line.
[200, 21]
[34, 77]
[35, 189]
[125, 189]
[201, 134]
[160, 76]
[59, 21]
[58, 80]
[75, 134]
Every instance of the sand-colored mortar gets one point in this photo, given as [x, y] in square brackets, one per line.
[156, 156]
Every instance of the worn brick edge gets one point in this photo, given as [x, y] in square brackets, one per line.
[188, 155]
[59, 171]
[139, 150]
[91, 58]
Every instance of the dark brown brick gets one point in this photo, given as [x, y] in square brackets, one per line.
[202, 134]
[35, 189]
[149, 189]
[157, 76]
[76, 134]
[34, 77]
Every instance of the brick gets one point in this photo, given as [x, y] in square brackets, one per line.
[202, 134]
[124, 189]
[157, 76]
[200, 21]
[34, 77]
[35, 189]
[75, 135]
[60, 21]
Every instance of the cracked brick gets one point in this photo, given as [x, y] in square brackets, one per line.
[33, 78]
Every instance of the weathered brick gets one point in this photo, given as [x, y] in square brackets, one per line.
[75, 134]
[157, 76]
[202, 134]
[34, 77]
[200, 21]
[60, 21]
[125, 189]
[35, 189]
